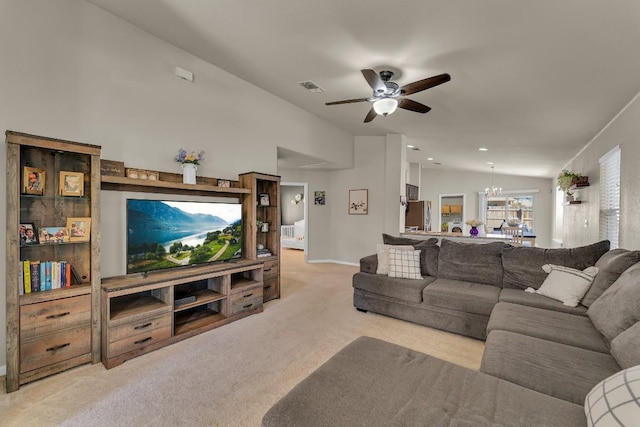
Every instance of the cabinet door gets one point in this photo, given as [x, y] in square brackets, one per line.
[456, 209]
[446, 209]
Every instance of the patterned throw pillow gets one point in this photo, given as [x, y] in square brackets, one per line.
[383, 256]
[404, 264]
[565, 284]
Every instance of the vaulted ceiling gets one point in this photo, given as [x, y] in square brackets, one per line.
[533, 82]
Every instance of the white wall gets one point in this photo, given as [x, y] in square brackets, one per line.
[623, 130]
[72, 71]
[436, 182]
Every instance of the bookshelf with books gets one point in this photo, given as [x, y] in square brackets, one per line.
[52, 270]
[261, 210]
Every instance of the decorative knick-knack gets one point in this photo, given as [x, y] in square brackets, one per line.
[189, 173]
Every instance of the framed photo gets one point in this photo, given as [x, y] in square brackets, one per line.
[358, 202]
[33, 180]
[28, 235]
[71, 184]
[264, 199]
[224, 183]
[53, 235]
[319, 198]
[79, 229]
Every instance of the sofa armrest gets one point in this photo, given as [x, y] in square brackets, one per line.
[369, 264]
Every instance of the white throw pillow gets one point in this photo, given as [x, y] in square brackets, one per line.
[614, 401]
[383, 256]
[404, 264]
[565, 284]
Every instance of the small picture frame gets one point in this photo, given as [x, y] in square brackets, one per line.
[319, 198]
[33, 180]
[264, 199]
[79, 229]
[71, 184]
[224, 183]
[48, 235]
[358, 202]
[28, 234]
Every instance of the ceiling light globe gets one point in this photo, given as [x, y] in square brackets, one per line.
[385, 106]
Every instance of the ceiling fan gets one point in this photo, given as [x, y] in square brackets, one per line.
[387, 95]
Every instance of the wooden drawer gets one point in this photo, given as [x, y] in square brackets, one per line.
[140, 326]
[139, 341]
[246, 305]
[52, 316]
[270, 269]
[246, 295]
[56, 347]
[270, 289]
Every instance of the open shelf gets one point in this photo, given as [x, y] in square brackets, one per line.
[133, 305]
[120, 183]
[203, 296]
[189, 320]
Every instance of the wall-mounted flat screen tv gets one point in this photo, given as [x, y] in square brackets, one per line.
[166, 234]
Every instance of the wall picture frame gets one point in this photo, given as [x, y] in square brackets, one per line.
[319, 198]
[263, 200]
[49, 235]
[33, 180]
[28, 234]
[225, 183]
[79, 229]
[358, 202]
[71, 184]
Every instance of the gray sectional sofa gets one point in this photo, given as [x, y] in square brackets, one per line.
[541, 357]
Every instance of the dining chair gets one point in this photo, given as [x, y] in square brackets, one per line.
[515, 235]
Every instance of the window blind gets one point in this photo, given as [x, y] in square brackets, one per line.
[610, 196]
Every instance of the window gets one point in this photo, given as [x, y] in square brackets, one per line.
[610, 196]
[511, 205]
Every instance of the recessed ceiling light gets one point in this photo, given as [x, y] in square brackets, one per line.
[483, 149]
[429, 158]
[489, 163]
[413, 147]
[438, 163]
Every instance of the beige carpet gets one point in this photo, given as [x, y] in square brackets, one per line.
[229, 376]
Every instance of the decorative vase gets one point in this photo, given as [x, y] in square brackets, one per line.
[474, 231]
[189, 173]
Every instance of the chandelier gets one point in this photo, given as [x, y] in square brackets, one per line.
[493, 191]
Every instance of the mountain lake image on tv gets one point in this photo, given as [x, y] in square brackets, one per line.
[167, 234]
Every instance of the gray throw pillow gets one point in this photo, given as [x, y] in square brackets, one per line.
[429, 260]
[618, 308]
[471, 262]
[523, 265]
[626, 347]
[610, 266]
[388, 239]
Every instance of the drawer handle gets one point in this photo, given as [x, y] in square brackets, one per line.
[146, 325]
[267, 269]
[57, 316]
[247, 306]
[58, 347]
[143, 340]
[247, 295]
[267, 287]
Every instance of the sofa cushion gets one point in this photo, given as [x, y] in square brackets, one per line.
[518, 296]
[618, 308]
[429, 260]
[611, 265]
[403, 289]
[388, 239]
[555, 369]
[382, 251]
[563, 328]
[404, 264]
[464, 296]
[523, 265]
[369, 264]
[566, 284]
[371, 382]
[471, 262]
[626, 347]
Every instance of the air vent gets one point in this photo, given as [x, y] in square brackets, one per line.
[311, 86]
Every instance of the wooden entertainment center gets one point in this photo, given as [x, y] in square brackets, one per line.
[118, 318]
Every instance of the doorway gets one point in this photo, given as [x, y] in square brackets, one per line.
[294, 214]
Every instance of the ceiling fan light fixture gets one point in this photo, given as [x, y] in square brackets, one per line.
[385, 106]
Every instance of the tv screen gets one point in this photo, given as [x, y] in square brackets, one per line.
[166, 234]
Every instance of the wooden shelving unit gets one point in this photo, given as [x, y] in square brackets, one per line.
[254, 209]
[52, 330]
[120, 183]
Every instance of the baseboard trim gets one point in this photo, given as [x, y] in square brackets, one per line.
[333, 261]
[3, 370]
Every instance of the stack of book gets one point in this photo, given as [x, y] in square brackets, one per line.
[263, 252]
[38, 276]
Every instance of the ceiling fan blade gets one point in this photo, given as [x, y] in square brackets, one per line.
[371, 115]
[427, 83]
[410, 105]
[374, 81]
[347, 101]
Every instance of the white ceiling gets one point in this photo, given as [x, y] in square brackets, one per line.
[531, 81]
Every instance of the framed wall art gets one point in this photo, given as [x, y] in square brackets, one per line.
[319, 198]
[71, 184]
[33, 180]
[79, 229]
[358, 202]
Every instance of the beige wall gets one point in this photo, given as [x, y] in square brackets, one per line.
[580, 222]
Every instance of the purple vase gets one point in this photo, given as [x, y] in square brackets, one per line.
[473, 231]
